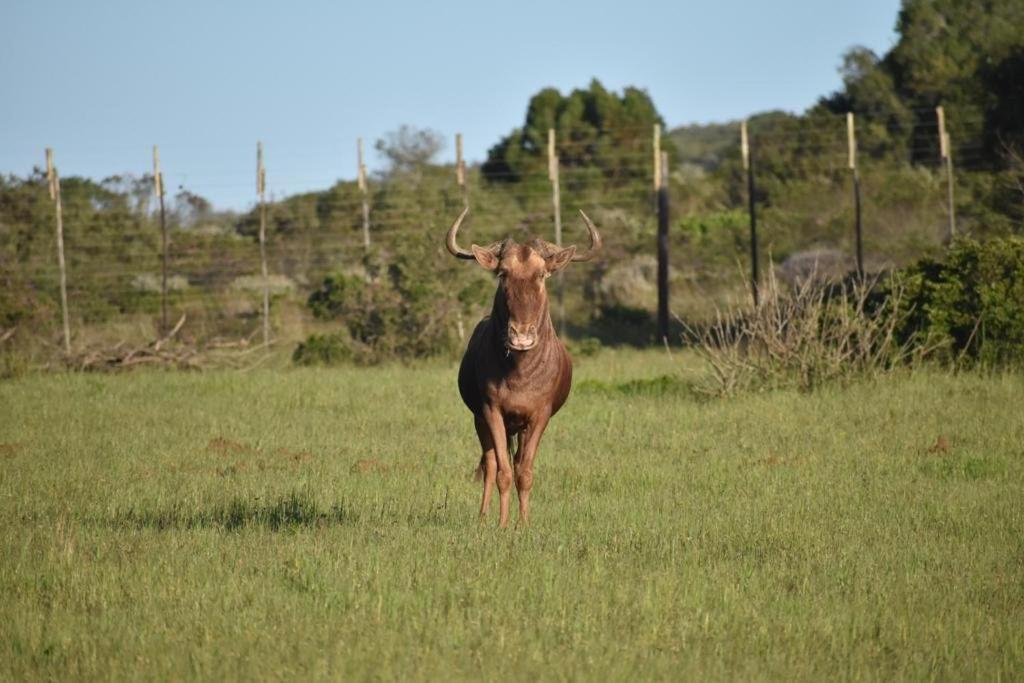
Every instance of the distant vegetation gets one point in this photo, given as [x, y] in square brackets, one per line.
[704, 147]
[967, 57]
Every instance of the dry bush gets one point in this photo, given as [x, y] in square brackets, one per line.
[806, 335]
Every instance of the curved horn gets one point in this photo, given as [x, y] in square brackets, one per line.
[453, 247]
[595, 241]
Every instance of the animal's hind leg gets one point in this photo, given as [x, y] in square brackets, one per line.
[524, 465]
[488, 463]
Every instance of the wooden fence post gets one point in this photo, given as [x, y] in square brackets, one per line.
[663, 209]
[53, 177]
[946, 151]
[556, 195]
[460, 170]
[656, 175]
[158, 187]
[361, 181]
[556, 203]
[261, 188]
[748, 166]
[460, 178]
[851, 146]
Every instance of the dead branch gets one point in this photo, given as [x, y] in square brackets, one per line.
[170, 335]
[168, 352]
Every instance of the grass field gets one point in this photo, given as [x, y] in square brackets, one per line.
[322, 524]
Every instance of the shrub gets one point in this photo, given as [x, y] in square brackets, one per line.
[408, 307]
[277, 285]
[615, 325]
[816, 333]
[152, 282]
[630, 284]
[20, 303]
[973, 301]
[323, 349]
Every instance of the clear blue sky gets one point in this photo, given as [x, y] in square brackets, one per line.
[101, 82]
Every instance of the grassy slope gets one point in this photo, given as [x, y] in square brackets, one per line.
[168, 525]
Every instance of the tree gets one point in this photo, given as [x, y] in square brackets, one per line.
[409, 148]
[1004, 115]
[191, 208]
[944, 50]
[597, 131]
[884, 122]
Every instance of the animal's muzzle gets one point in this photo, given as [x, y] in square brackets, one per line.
[521, 337]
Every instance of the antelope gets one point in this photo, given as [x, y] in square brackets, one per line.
[516, 373]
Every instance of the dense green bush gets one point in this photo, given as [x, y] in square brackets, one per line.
[323, 349]
[411, 303]
[972, 300]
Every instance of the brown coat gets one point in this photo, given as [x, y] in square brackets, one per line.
[516, 373]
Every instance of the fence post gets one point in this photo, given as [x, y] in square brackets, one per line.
[158, 187]
[656, 146]
[748, 166]
[460, 178]
[53, 177]
[261, 188]
[851, 145]
[556, 195]
[460, 171]
[663, 209]
[556, 203]
[946, 152]
[361, 181]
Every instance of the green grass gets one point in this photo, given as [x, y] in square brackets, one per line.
[322, 524]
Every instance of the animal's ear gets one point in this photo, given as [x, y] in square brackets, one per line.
[485, 257]
[560, 259]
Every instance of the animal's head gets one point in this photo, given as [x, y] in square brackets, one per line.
[522, 270]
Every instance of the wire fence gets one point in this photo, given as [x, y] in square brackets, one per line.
[114, 279]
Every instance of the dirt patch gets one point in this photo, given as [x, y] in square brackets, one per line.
[244, 457]
[9, 450]
[228, 447]
[774, 460]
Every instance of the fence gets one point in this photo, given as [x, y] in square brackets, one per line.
[112, 271]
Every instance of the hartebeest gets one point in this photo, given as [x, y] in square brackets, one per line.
[515, 373]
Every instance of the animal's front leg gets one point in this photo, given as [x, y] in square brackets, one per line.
[524, 465]
[496, 425]
[488, 463]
